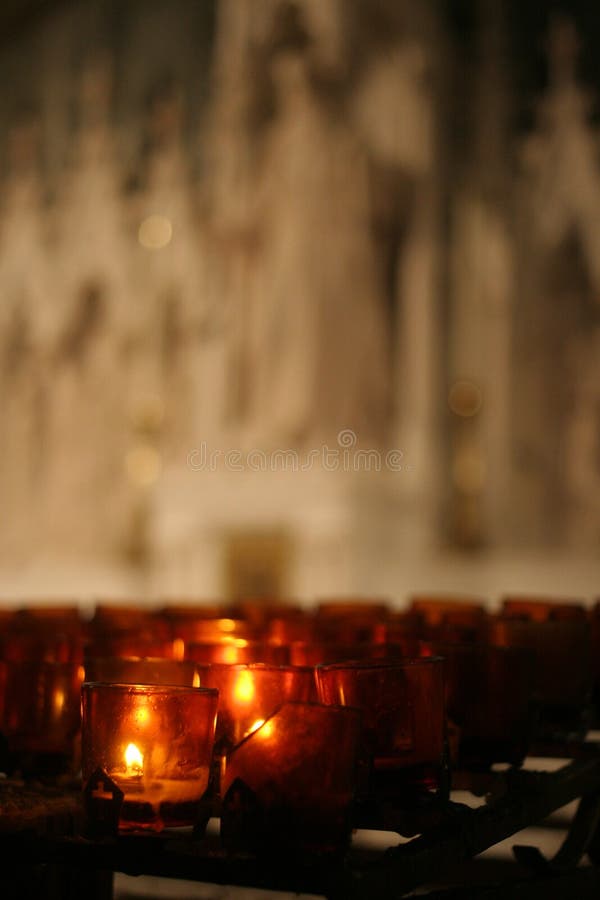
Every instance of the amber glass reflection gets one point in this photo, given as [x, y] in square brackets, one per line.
[289, 786]
[403, 726]
[249, 694]
[154, 743]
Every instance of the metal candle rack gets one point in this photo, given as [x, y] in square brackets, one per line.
[449, 835]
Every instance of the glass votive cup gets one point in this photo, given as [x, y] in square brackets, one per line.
[399, 626]
[124, 645]
[248, 695]
[41, 645]
[403, 722]
[194, 630]
[313, 653]
[146, 753]
[450, 618]
[238, 651]
[285, 630]
[352, 608]
[51, 633]
[60, 617]
[286, 789]
[136, 670]
[540, 609]
[489, 693]
[349, 621]
[112, 618]
[41, 716]
[563, 674]
[261, 611]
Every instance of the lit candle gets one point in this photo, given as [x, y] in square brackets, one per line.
[155, 744]
[134, 762]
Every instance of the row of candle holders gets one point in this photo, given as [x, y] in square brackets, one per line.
[294, 725]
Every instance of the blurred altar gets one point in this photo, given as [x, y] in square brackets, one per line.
[299, 298]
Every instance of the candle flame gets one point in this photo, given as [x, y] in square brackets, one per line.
[134, 760]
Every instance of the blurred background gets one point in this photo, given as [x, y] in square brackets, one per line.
[299, 298]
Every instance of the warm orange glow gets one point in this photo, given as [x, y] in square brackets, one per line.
[230, 650]
[142, 713]
[244, 688]
[266, 730]
[255, 726]
[196, 680]
[178, 649]
[59, 700]
[134, 761]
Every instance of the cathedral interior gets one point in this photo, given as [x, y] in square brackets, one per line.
[299, 298]
[299, 319]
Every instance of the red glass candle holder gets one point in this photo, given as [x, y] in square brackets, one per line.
[539, 609]
[146, 753]
[194, 628]
[248, 695]
[285, 789]
[259, 612]
[286, 630]
[181, 609]
[403, 721]
[238, 651]
[399, 627]
[6, 618]
[352, 608]
[111, 618]
[450, 619]
[63, 618]
[41, 716]
[563, 679]
[489, 692]
[124, 645]
[313, 653]
[42, 646]
[48, 633]
[142, 671]
[349, 621]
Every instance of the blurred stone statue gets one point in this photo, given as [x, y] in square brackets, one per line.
[309, 351]
[172, 262]
[99, 317]
[26, 332]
